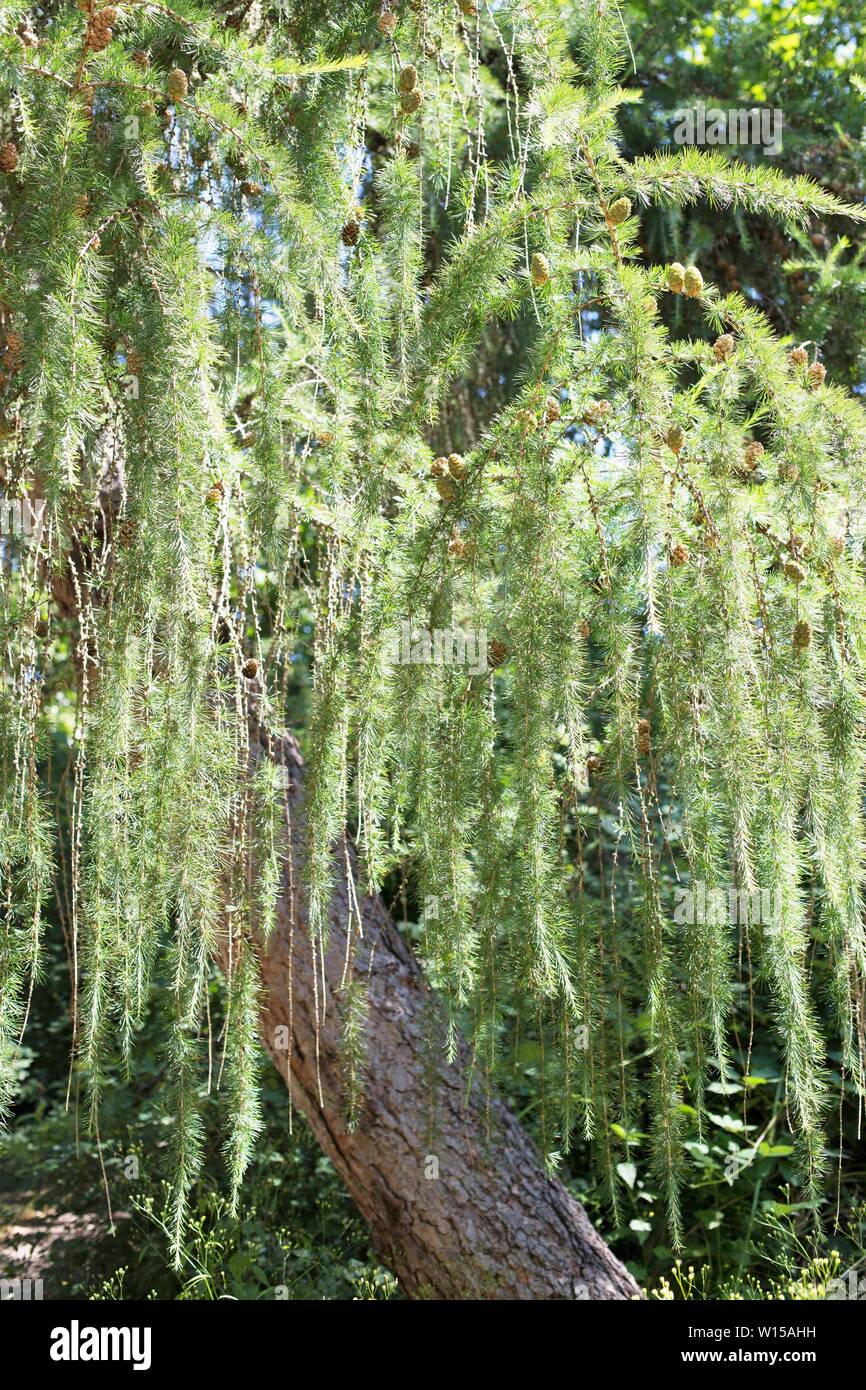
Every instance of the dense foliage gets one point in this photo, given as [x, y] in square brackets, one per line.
[355, 394]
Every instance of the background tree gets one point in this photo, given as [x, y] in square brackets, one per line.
[805, 60]
[264, 264]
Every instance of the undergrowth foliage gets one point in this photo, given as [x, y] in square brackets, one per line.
[251, 256]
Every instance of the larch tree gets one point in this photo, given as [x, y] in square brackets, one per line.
[334, 385]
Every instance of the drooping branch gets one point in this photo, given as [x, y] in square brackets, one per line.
[457, 1202]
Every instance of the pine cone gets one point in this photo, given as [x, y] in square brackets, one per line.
[619, 211]
[8, 157]
[552, 410]
[250, 669]
[643, 737]
[676, 277]
[752, 453]
[594, 764]
[134, 361]
[497, 654]
[679, 554]
[409, 78]
[816, 374]
[467, 7]
[788, 471]
[540, 269]
[387, 23]
[410, 101]
[447, 489]
[584, 630]
[693, 282]
[723, 347]
[675, 438]
[596, 412]
[141, 58]
[350, 233]
[99, 35]
[177, 84]
[251, 188]
[798, 357]
[794, 570]
[802, 637]
[457, 467]
[439, 467]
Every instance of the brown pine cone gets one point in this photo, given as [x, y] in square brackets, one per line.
[752, 453]
[679, 554]
[816, 374]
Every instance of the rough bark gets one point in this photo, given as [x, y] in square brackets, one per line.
[492, 1225]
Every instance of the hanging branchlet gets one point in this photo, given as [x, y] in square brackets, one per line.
[250, 382]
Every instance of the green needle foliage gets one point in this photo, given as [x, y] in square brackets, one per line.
[251, 267]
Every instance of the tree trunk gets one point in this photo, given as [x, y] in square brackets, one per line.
[456, 1199]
